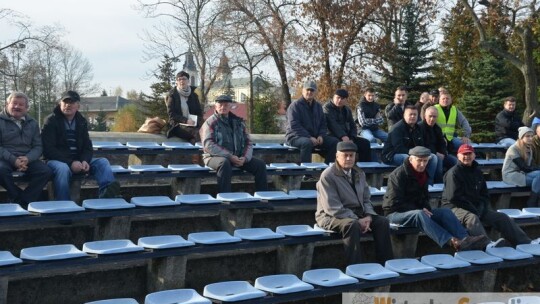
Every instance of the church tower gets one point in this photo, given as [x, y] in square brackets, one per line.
[191, 69]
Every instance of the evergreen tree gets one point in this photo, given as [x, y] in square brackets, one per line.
[101, 122]
[486, 88]
[264, 112]
[154, 105]
[103, 93]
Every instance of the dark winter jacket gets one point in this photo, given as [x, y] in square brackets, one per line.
[225, 137]
[15, 141]
[304, 120]
[507, 125]
[339, 121]
[55, 145]
[400, 140]
[433, 138]
[174, 109]
[394, 113]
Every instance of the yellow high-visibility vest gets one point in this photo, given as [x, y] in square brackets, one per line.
[448, 126]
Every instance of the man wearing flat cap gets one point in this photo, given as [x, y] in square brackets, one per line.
[227, 144]
[344, 206]
[406, 203]
[68, 150]
[341, 124]
[306, 126]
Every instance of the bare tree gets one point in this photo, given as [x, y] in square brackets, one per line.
[522, 15]
[76, 72]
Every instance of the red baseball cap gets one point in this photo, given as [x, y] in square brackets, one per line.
[465, 148]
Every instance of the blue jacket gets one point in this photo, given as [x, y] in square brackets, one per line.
[305, 121]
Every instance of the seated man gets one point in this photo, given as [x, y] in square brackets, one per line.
[507, 123]
[449, 119]
[404, 136]
[406, 202]
[394, 111]
[370, 117]
[341, 124]
[306, 126]
[344, 205]
[68, 150]
[226, 144]
[466, 194]
[20, 150]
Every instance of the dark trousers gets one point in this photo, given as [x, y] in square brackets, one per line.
[364, 149]
[351, 232]
[224, 167]
[305, 145]
[500, 221]
[37, 174]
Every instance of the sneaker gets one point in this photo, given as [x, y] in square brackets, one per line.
[308, 178]
[473, 242]
[499, 243]
[111, 191]
[535, 241]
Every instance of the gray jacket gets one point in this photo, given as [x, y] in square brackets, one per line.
[337, 199]
[15, 141]
[511, 173]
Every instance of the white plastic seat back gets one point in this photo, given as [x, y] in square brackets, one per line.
[524, 300]
[316, 166]
[477, 257]
[373, 165]
[257, 234]
[153, 201]
[213, 237]
[443, 261]
[498, 185]
[408, 266]
[298, 230]
[533, 249]
[53, 252]
[188, 167]
[274, 195]
[286, 166]
[269, 146]
[196, 199]
[370, 271]
[187, 296]
[178, 145]
[144, 145]
[305, 194]
[508, 253]
[281, 284]
[109, 145]
[111, 247]
[106, 204]
[515, 213]
[54, 207]
[236, 197]
[12, 210]
[436, 188]
[232, 291]
[119, 169]
[148, 168]
[163, 242]
[115, 301]
[327, 277]
[534, 211]
[7, 258]
[376, 191]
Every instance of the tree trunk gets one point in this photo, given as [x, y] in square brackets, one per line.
[531, 80]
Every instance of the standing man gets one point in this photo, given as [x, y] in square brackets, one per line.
[341, 124]
[449, 119]
[507, 123]
[370, 117]
[466, 194]
[406, 203]
[68, 150]
[344, 206]
[394, 111]
[226, 144]
[20, 150]
[306, 126]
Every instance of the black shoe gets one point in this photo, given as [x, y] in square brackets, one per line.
[111, 191]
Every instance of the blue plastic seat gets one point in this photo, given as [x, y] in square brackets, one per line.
[148, 168]
[282, 284]
[376, 191]
[178, 145]
[144, 145]
[6, 258]
[107, 204]
[108, 145]
[435, 188]
[443, 261]
[188, 167]
[305, 194]
[111, 247]
[498, 185]
[298, 230]
[269, 146]
[213, 237]
[116, 169]
[373, 165]
[54, 207]
[196, 199]
[232, 291]
[408, 266]
[508, 253]
[273, 195]
[286, 166]
[327, 277]
[186, 296]
[533, 211]
[257, 234]
[115, 301]
[153, 201]
[236, 197]
[516, 213]
[315, 166]
[51, 253]
[164, 242]
[533, 249]
[370, 271]
[12, 210]
[477, 257]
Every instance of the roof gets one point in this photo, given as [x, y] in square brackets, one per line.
[244, 82]
[103, 103]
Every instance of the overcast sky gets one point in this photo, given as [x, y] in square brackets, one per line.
[107, 32]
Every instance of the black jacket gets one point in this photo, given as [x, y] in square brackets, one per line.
[55, 145]
[403, 192]
[400, 140]
[433, 138]
[339, 121]
[174, 109]
[507, 125]
[465, 187]
[394, 113]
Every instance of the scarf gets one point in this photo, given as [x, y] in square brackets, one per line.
[184, 94]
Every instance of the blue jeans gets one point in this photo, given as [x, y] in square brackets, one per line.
[440, 227]
[532, 179]
[99, 168]
[431, 166]
[372, 135]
